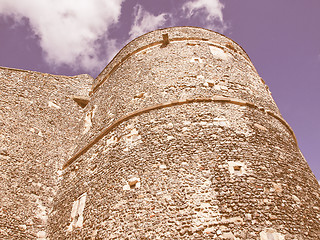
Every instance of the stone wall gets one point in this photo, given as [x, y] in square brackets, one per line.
[204, 174]
[39, 124]
[195, 170]
[179, 139]
[196, 63]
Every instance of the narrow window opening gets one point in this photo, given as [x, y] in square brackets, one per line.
[237, 169]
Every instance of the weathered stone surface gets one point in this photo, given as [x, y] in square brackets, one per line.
[229, 165]
[39, 125]
[228, 235]
[181, 139]
[271, 234]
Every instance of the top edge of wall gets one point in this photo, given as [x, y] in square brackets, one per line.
[155, 37]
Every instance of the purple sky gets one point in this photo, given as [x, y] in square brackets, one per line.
[282, 39]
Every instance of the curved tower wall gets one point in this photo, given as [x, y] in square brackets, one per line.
[182, 140]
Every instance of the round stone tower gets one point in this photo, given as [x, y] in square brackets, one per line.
[183, 140]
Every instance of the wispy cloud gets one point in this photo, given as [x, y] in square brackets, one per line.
[68, 30]
[209, 12]
[75, 33]
[145, 21]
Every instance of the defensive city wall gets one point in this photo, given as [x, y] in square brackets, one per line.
[177, 138]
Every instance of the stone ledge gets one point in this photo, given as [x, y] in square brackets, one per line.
[117, 122]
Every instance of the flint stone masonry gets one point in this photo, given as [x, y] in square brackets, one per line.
[178, 138]
[146, 69]
[39, 124]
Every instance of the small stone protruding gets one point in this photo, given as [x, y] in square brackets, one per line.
[139, 95]
[82, 101]
[132, 183]
[165, 38]
[209, 83]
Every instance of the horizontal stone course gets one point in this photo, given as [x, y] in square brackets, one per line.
[196, 183]
[177, 138]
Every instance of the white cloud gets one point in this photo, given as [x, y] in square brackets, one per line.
[144, 21]
[68, 30]
[209, 10]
